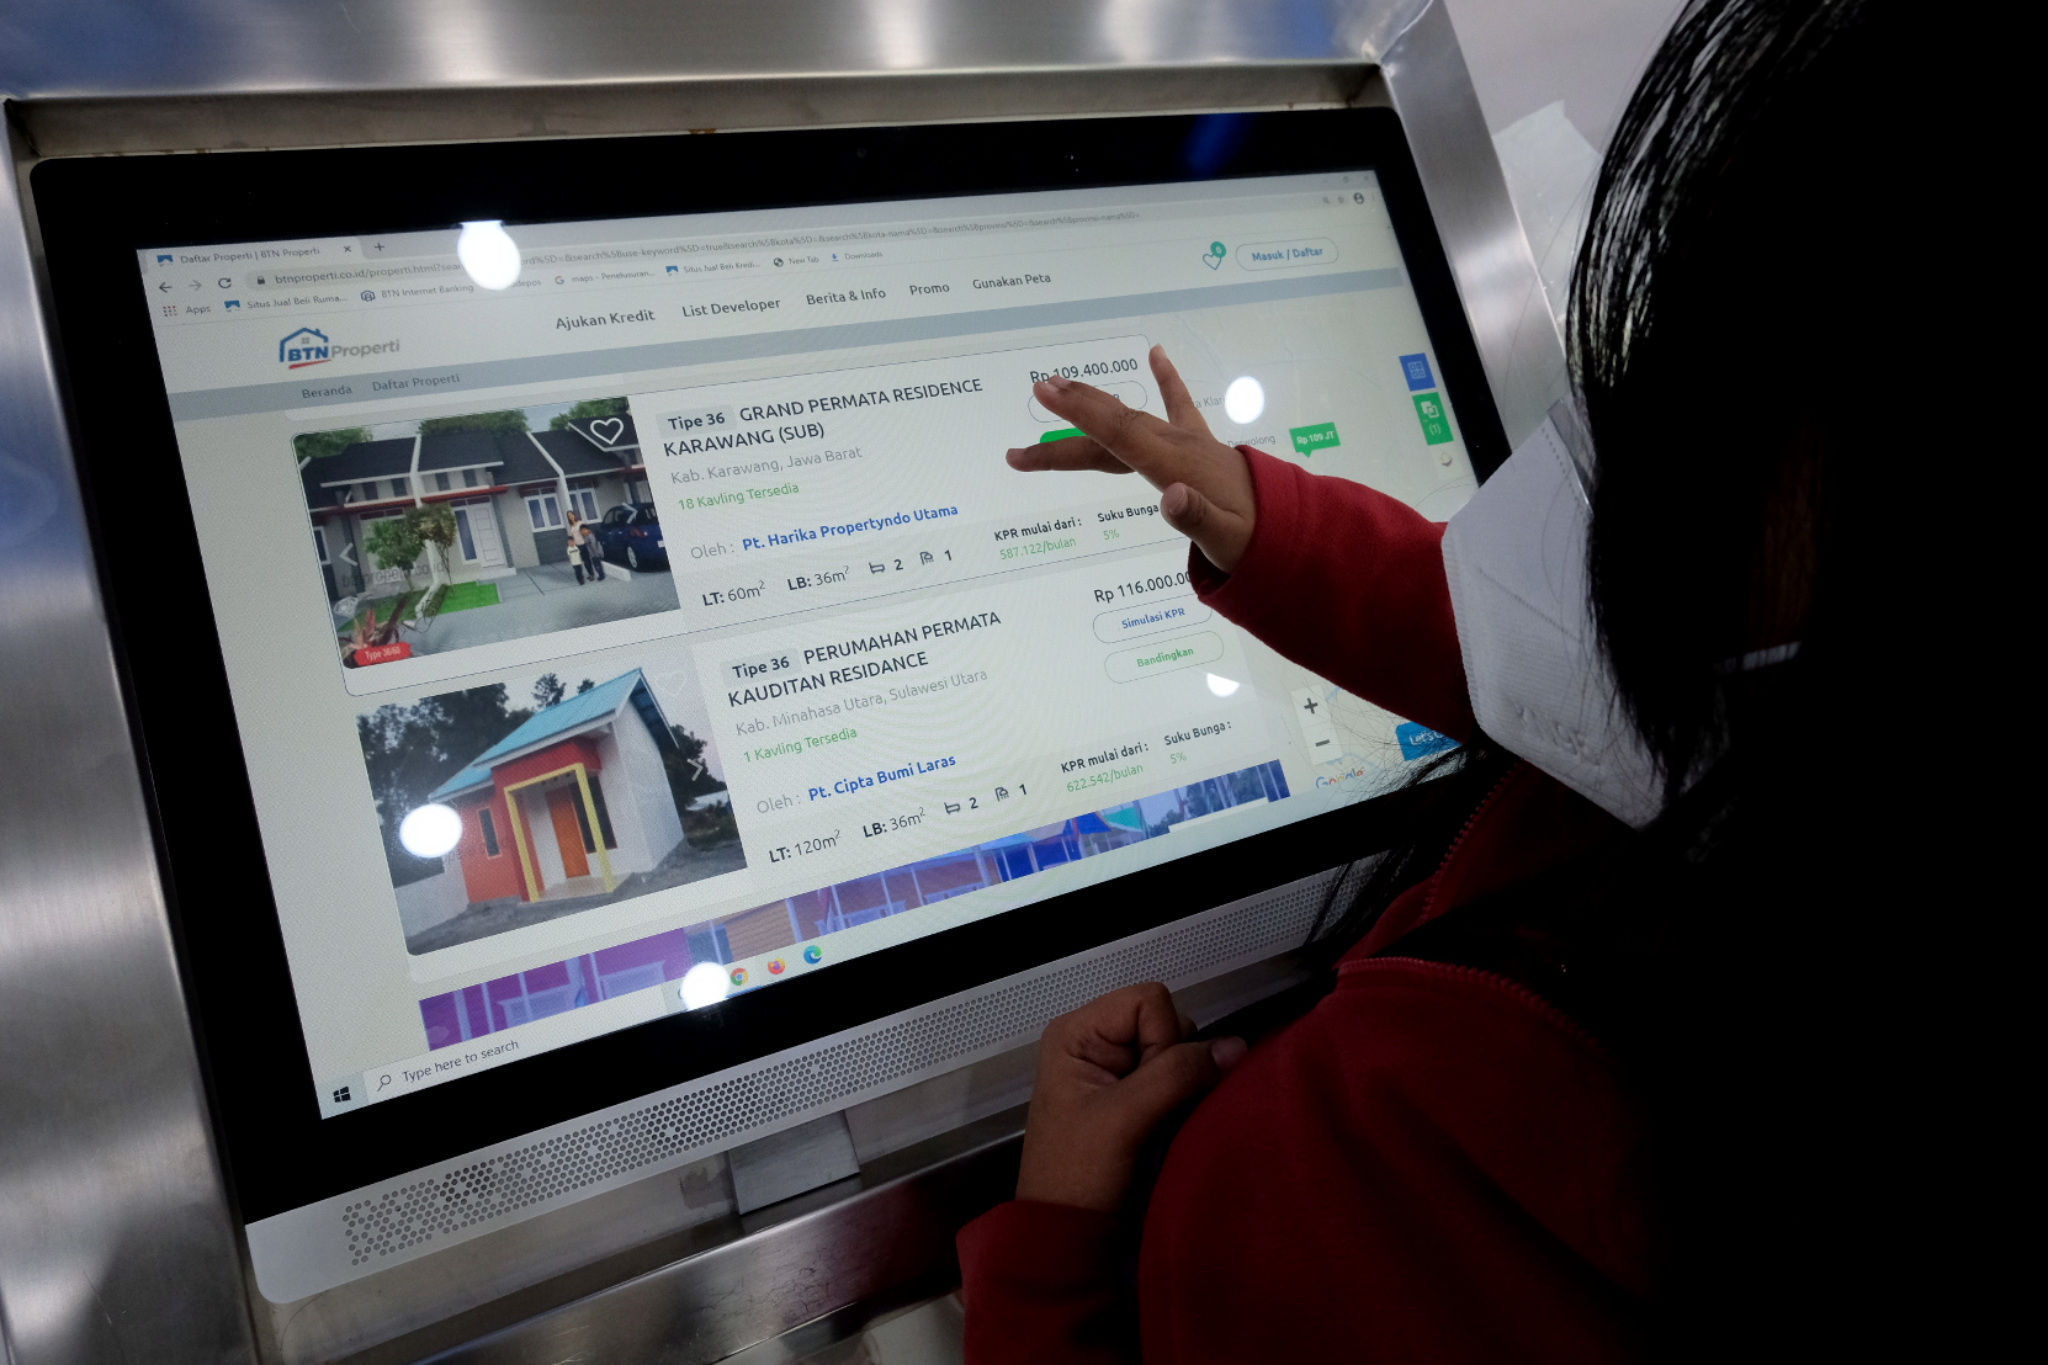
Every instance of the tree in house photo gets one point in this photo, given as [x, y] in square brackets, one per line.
[509, 420]
[318, 445]
[395, 543]
[410, 750]
[589, 407]
[434, 524]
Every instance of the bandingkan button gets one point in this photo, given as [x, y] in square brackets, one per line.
[1168, 656]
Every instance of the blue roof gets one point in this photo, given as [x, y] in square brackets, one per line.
[570, 713]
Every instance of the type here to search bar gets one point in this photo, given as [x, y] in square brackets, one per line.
[489, 1050]
[446, 1064]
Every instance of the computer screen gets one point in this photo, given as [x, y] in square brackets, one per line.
[622, 616]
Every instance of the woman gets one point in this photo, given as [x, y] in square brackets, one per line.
[1578, 1092]
[585, 554]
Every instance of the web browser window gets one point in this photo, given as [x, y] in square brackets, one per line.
[622, 615]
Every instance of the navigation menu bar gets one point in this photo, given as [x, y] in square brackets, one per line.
[318, 391]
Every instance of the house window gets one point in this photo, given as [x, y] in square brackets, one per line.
[490, 831]
[398, 488]
[441, 483]
[370, 491]
[604, 819]
[585, 503]
[320, 542]
[464, 534]
[709, 944]
[545, 513]
[469, 479]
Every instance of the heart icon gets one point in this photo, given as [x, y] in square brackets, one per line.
[608, 429]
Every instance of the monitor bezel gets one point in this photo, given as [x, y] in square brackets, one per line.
[94, 214]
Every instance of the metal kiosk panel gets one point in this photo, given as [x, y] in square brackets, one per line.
[66, 835]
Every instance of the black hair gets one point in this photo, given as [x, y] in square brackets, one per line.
[1753, 360]
[1734, 339]
[1756, 333]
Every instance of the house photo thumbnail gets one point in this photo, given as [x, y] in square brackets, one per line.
[514, 804]
[440, 534]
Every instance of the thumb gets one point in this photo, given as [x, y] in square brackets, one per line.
[1176, 1075]
[1218, 534]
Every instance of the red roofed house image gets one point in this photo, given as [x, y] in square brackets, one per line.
[571, 802]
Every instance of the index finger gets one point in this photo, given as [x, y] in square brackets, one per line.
[1164, 454]
[1181, 409]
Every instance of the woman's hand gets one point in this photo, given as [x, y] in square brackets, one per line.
[1207, 488]
[1108, 1074]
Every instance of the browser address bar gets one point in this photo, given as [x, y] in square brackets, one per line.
[330, 274]
[631, 252]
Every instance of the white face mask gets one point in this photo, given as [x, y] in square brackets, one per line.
[1516, 557]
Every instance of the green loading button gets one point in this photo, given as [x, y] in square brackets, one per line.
[1062, 434]
[1436, 423]
[1308, 440]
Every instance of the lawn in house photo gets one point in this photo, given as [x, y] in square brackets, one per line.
[440, 534]
[522, 801]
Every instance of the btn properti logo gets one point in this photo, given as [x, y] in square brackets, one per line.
[310, 346]
[307, 346]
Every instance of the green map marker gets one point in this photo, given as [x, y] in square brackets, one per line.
[1308, 440]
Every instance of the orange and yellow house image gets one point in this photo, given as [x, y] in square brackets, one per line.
[573, 800]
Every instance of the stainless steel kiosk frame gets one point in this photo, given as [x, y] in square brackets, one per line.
[116, 1241]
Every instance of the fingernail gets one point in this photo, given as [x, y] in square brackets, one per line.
[1057, 382]
[1227, 1052]
[1015, 455]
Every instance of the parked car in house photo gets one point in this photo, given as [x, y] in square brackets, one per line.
[630, 534]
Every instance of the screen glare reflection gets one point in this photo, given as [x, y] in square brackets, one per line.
[1244, 400]
[430, 831]
[706, 983]
[489, 254]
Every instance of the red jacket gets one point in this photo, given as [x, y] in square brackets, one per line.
[1431, 1164]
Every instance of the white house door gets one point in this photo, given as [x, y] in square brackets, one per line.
[476, 535]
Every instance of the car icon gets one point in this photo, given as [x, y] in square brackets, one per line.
[630, 534]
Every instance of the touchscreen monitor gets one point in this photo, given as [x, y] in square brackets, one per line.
[561, 612]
